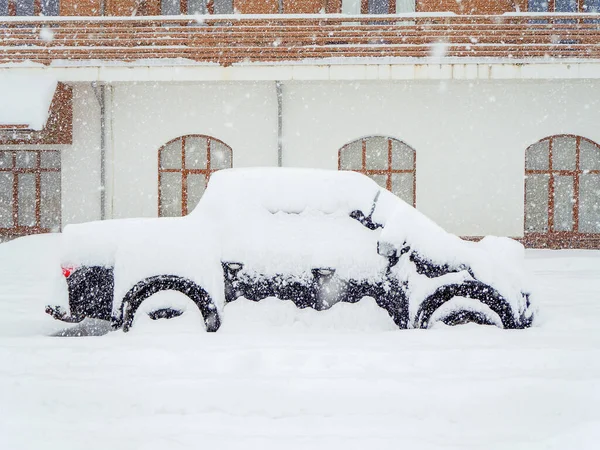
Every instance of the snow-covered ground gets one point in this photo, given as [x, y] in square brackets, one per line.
[277, 378]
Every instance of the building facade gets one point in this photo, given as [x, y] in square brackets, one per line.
[484, 115]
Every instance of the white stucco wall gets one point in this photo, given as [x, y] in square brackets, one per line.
[80, 162]
[469, 137]
[145, 116]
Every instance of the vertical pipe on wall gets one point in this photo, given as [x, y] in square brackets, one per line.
[279, 90]
[110, 146]
[100, 92]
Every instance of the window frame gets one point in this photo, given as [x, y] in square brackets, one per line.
[387, 172]
[207, 172]
[209, 7]
[20, 230]
[552, 238]
[552, 6]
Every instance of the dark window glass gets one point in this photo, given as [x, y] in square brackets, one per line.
[566, 6]
[591, 6]
[169, 7]
[196, 7]
[379, 6]
[3, 7]
[538, 5]
[223, 6]
[24, 7]
[50, 8]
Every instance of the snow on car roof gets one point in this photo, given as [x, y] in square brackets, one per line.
[290, 190]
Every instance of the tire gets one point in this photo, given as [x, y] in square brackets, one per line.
[150, 286]
[469, 289]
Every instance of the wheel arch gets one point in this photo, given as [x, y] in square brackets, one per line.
[147, 287]
[473, 289]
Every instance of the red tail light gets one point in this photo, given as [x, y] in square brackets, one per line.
[67, 271]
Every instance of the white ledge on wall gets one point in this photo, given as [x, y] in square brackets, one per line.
[308, 71]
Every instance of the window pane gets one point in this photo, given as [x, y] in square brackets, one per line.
[50, 7]
[26, 160]
[379, 6]
[170, 155]
[377, 153]
[589, 157]
[50, 160]
[3, 7]
[196, 183]
[25, 7]
[563, 203]
[50, 200]
[566, 6]
[402, 186]
[169, 7]
[5, 160]
[6, 200]
[538, 5]
[220, 155]
[26, 199]
[591, 6]
[589, 203]
[351, 156]
[536, 203]
[196, 6]
[403, 157]
[381, 180]
[223, 6]
[195, 152]
[170, 194]
[563, 153]
[537, 156]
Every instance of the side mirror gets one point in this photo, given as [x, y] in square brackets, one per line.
[387, 249]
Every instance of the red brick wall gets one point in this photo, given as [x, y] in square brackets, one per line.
[257, 6]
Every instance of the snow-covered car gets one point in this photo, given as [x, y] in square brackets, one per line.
[313, 237]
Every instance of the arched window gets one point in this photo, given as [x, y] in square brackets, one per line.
[390, 162]
[184, 167]
[562, 191]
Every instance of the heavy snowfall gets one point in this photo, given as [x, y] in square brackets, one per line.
[278, 377]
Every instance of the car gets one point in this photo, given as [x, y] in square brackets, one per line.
[312, 237]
